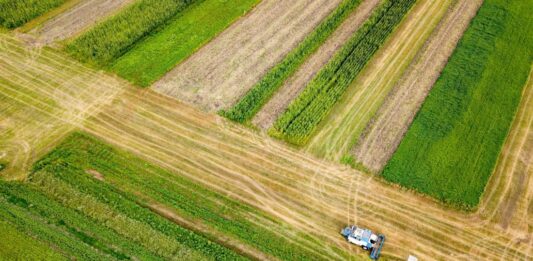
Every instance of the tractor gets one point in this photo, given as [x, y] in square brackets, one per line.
[364, 238]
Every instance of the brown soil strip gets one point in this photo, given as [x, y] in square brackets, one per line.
[77, 19]
[222, 71]
[296, 83]
[385, 132]
[97, 175]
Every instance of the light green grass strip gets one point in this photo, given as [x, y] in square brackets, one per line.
[151, 58]
[452, 146]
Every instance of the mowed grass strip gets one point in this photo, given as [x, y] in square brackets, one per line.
[111, 38]
[246, 108]
[452, 146]
[303, 115]
[158, 53]
[16, 13]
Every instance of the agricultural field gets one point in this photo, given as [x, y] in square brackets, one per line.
[338, 132]
[452, 146]
[258, 129]
[216, 76]
[303, 115]
[384, 133]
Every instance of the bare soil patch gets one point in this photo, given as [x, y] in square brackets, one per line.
[223, 70]
[76, 19]
[386, 130]
[296, 83]
[97, 175]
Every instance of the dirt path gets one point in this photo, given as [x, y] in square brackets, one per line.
[296, 83]
[222, 71]
[387, 128]
[313, 196]
[510, 190]
[337, 134]
[76, 19]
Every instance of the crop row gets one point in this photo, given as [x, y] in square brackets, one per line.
[261, 92]
[453, 144]
[303, 115]
[16, 13]
[111, 38]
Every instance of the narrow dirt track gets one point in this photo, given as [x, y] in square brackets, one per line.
[338, 133]
[222, 71]
[75, 20]
[312, 195]
[386, 130]
[296, 83]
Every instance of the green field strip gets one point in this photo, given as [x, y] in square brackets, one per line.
[246, 108]
[303, 115]
[16, 13]
[19, 246]
[453, 144]
[113, 37]
[155, 55]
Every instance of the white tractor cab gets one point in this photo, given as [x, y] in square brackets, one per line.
[364, 238]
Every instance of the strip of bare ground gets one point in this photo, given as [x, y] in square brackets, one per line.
[76, 20]
[222, 71]
[386, 130]
[296, 83]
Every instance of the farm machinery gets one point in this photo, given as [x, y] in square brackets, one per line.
[364, 238]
